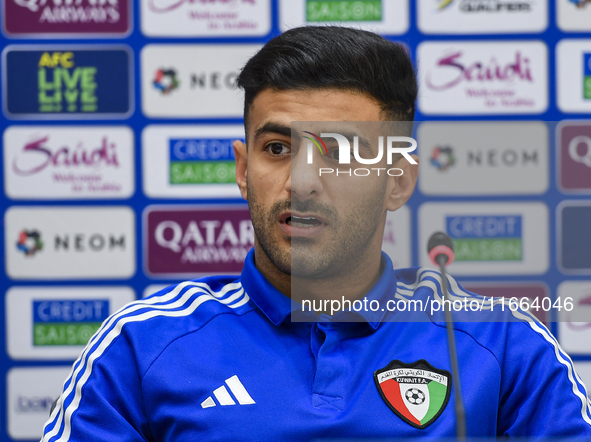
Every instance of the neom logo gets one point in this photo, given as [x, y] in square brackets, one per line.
[29, 242]
[165, 80]
[213, 80]
[37, 156]
[443, 158]
[81, 242]
[343, 153]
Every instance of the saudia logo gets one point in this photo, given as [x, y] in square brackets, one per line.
[67, 321]
[486, 238]
[202, 161]
[163, 6]
[486, 6]
[452, 67]
[36, 157]
[343, 10]
[343, 153]
[74, 11]
[62, 84]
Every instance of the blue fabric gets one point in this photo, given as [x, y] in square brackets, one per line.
[151, 371]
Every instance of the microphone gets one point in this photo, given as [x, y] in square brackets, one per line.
[441, 252]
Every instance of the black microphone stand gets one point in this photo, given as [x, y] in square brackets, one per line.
[441, 259]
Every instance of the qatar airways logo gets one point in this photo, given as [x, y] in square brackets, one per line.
[163, 6]
[456, 71]
[36, 157]
[342, 153]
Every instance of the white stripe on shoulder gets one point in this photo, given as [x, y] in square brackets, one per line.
[565, 360]
[106, 336]
[531, 320]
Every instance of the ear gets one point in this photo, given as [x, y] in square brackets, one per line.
[240, 152]
[400, 188]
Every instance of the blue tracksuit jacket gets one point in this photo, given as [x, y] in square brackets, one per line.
[222, 359]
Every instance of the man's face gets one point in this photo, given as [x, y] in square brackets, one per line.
[309, 225]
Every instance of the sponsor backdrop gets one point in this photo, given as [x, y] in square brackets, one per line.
[117, 171]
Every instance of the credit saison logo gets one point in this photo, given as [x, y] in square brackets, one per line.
[29, 242]
[67, 321]
[587, 76]
[486, 238]
[486, 5]
[202, 161]
[344, 150]
[343, 10]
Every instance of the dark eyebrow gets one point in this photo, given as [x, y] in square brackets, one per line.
[274, 128]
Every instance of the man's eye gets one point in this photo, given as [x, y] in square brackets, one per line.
[335, 154]
[278, 149]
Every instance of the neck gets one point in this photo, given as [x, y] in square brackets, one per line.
[350, 283]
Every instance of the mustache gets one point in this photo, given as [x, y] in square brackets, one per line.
[310, 206]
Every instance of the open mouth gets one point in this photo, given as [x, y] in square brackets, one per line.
[302, 222]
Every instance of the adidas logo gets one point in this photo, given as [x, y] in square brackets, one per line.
[223, 396]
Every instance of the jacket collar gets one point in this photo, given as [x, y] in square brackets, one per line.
[278, 307]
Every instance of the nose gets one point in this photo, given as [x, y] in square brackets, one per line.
[304, 180]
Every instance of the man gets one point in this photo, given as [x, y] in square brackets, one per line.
[227, 358]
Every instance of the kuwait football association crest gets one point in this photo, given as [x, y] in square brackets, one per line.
[417, 393]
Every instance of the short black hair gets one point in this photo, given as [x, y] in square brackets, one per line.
[334, 57]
